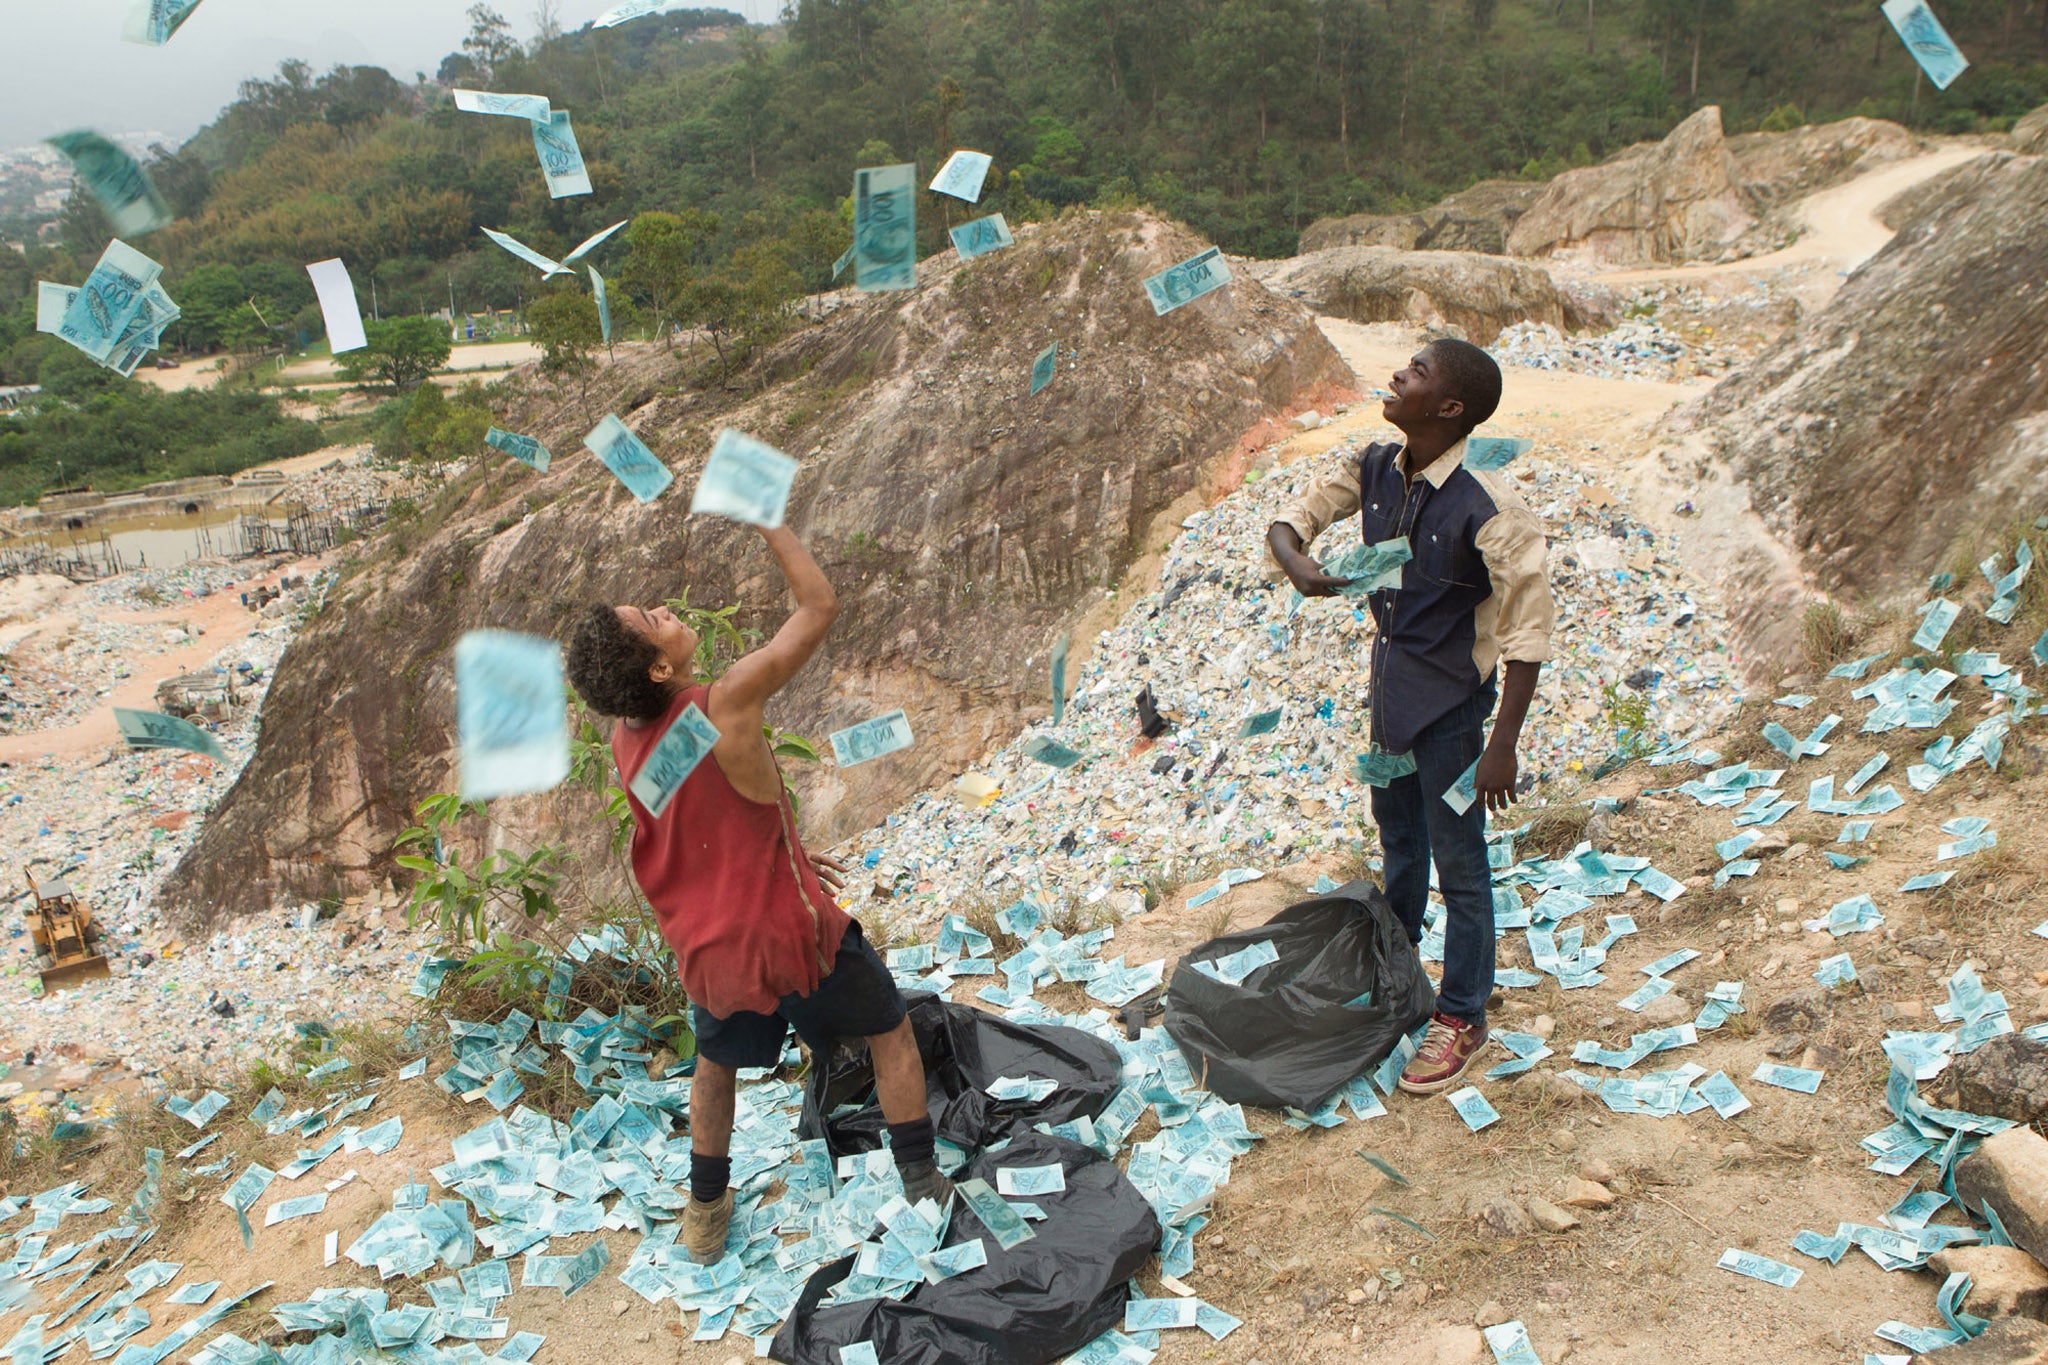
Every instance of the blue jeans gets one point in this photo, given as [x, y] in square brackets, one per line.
[1415, 823]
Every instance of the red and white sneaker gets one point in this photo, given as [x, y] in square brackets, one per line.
[1448, 1051]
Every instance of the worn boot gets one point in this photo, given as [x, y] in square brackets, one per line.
[922, 1180]
[704, 1228]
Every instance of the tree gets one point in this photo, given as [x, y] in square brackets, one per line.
[565, 326]
[490, 42]
[402, 352]
[747, 302]
[667, 250]
[439, 430]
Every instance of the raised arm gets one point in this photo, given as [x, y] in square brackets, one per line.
[745, 687]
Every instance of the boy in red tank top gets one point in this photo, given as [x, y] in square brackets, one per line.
[760, 943]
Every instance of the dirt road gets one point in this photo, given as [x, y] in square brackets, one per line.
[1842, 231]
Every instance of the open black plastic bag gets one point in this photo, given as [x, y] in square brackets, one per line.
[1039, 1301]
[964, 1049]
[1292, 1034]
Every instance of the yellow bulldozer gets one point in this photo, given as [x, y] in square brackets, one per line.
[67, 941]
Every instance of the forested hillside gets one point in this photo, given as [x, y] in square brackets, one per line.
[1245, 118]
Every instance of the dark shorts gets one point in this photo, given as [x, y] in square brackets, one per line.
[857, 999]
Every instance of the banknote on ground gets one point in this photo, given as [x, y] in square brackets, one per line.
[561, 160]
[524, 449]
[532, 108]
[981, 236]
[885, 228]
[338, 305]
[871, 739]
[511, 725]
[963, 175]
[1044, 367]
[628, 457]
[1188, 281]
[117, 181]
[152, 730]
[1927, 40]
[685, 744]
[746, 480]
[152, 22]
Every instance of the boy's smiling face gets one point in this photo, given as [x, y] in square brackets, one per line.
[1418, 394]
[675, 642]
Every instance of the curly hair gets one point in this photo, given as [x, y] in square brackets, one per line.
[1470, 374]
[608, 666]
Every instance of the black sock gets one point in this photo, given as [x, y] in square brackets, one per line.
[709, 1175]
[911, 1142]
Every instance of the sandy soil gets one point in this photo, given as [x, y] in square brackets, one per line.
[1842, 230]
[1302, 1245]
[223, 620]
[491, 356]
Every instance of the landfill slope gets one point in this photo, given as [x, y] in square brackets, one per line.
[965, 524]
[1911, 411]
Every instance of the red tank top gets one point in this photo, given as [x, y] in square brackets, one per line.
[731, 888]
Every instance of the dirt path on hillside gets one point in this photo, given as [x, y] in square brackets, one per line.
[220, 620]
[1842, 230]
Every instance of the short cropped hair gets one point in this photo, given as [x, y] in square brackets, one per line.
[608, 666]
[1469, 374]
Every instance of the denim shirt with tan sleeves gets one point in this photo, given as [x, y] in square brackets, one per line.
[1475, 594]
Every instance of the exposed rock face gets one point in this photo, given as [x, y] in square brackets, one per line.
[1914, 408]
[2011, 1171]
[2030, 134]
[1668, 201]
[1476, 219]
[2006, 1078]
[1771, 168]
[964, 524]
[1479, 295]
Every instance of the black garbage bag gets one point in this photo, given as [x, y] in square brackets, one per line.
[964, 1049]
[1039, 1301]
[1290, 1034]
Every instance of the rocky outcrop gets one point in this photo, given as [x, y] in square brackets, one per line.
[1475, 219]
[1478, 295]
[1912, 411]
[2030, 134]
[965, 524]
[1771, 169]
[1657, 202]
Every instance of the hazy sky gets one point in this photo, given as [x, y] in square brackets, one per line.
[68, 68]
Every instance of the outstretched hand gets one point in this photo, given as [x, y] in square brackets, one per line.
[1308, 577]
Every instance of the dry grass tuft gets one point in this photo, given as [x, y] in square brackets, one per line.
[1553, 831]
[1825, 637]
